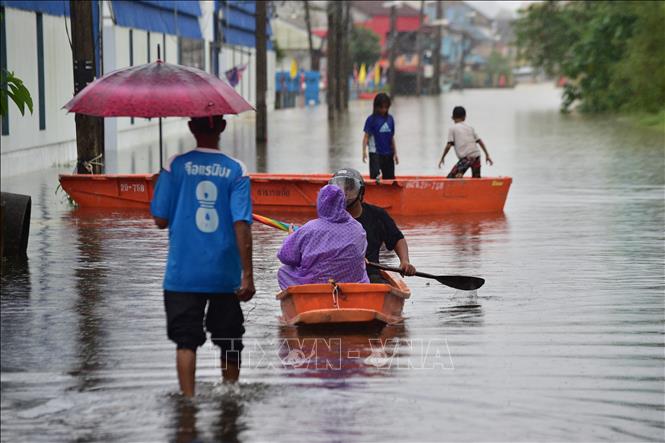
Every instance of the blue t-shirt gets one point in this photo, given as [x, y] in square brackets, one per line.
[381, 130]
[202, 193]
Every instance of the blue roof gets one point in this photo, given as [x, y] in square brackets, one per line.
[50, 7]
[174, 17]
[239, 22]
[186, 7]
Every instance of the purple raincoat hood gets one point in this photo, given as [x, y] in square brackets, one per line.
[331, 205]
[331, 246]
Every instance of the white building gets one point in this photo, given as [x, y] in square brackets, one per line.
[35, 46]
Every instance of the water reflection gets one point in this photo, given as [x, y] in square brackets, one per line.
[337, 352]
[464, 313]
[228, 425]
[217, 412]
[185, 419]
[15, 292]
[15, 277]
[457, 224]
[90, 273]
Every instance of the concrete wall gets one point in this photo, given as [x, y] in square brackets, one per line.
[27, 147]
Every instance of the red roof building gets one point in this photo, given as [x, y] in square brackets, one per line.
[379, 18]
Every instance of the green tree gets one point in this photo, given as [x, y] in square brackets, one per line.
[365, 46]
[13, 87]
[609, 50]
[498, 65]
[279, 53]
[641, 73]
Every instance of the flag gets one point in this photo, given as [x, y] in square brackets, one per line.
[294, 69]
[234, 75]
[377, 75]
[362, 75]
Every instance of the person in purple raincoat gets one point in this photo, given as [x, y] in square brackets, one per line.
[329, 247]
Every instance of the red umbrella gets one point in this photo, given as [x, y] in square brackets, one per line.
[158, 90]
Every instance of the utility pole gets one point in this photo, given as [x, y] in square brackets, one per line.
[339, 55]
[261, 72]
[313, 56]
[436, 61]
[346, 55]
[348, 65]
[89, 129]
[331, 61]
[393, 50]
[467, 44]
[419, 48]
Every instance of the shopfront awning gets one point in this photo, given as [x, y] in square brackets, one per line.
[175, 17]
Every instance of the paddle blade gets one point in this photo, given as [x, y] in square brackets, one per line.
[461, 282]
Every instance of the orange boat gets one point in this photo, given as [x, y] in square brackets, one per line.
[406, 195]
[367, 95]
[344, 303]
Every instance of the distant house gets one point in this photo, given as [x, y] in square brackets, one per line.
[469, 37]
[376, 17]
[290, 32]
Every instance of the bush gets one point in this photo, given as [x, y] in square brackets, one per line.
[612, 52]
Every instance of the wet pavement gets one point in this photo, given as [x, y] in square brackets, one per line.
[564, 342]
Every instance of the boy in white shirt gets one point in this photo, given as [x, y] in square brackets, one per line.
[464, 138]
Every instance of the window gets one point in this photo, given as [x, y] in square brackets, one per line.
[191, 52]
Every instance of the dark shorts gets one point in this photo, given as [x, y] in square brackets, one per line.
[375, 276]
[381, 163]
[461, 166]
[185, 312]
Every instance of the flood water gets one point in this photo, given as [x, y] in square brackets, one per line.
[564, 342]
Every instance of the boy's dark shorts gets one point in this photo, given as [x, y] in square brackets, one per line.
[224, 320]
[463, 164]
[384, 164]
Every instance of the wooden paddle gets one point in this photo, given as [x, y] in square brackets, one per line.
[462, 282]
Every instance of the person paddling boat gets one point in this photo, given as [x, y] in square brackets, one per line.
[379, 226]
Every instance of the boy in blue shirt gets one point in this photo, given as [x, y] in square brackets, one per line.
[380, 138]
[203, 197]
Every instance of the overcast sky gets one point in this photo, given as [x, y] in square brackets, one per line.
[493, 7]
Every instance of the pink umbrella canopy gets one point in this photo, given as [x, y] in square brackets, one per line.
[158, 90]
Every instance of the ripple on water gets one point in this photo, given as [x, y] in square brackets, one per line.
[564, 341]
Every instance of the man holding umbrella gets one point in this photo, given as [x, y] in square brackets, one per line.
[203, 197]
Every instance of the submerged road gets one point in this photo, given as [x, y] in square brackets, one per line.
[564, 341]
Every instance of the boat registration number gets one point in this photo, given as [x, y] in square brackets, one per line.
[132, 187]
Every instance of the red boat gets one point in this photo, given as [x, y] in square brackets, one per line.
[406, 195]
